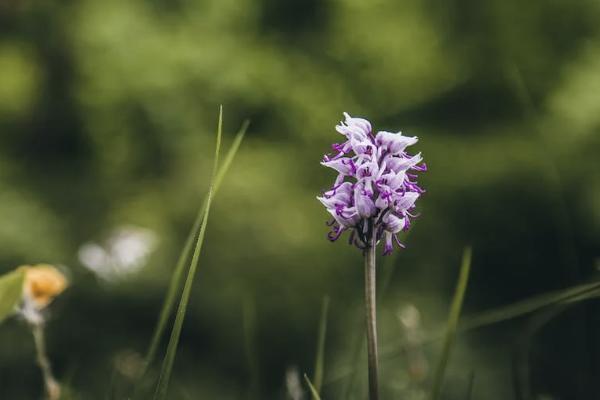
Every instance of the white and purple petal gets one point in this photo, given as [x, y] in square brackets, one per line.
[364, 203]
[393, 223]
[394, 143]
[343, 165]
[405, 201]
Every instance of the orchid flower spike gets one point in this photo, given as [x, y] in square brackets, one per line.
[376, 187]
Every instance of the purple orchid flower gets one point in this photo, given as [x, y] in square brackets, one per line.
[376, 189]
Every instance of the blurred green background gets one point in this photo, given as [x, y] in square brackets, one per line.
[107, 118]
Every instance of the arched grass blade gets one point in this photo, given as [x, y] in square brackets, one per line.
[455, 310]
[178, 273]
[574, 293]
[313, 391]
[169, 360]
[320, 357]
[518, 309]
[569, 295]
[521, 358]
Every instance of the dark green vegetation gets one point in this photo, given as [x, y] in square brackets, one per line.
[107, 117]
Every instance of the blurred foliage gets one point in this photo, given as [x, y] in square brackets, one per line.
[107, 111]
[11, 288]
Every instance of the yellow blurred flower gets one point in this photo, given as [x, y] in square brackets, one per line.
[43, 282]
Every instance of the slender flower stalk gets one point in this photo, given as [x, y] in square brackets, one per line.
[373, 198]
[371, 313]
[50, 383]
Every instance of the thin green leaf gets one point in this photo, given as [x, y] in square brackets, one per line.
[320, 358]
[313, 391]
[169, 360]
[178, 273]
[11, 292]
[455, 310]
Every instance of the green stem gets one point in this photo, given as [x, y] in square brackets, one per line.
[52, 386]
[370, 303]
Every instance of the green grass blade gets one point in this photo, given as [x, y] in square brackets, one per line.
[228, 160]
[455, 310]
[471, 386]
[313, 391]
[250, 347]
[177, 277]
[320, 357]
[169, 360]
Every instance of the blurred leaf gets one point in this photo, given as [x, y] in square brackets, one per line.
[455, 310]
[169, 360]
[313, 391]
[320, 358]
[20, 78]
[11, 291]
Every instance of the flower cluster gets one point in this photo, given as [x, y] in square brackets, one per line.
[376, 187]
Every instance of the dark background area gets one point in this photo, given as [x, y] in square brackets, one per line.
[107, 118]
